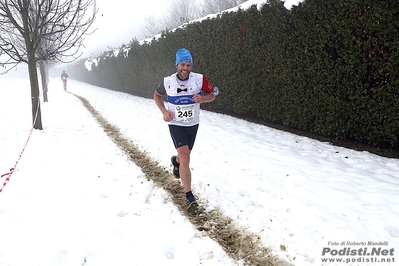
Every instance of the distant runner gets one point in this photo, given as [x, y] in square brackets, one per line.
[64, 78]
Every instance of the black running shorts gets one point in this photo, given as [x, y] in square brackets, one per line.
[182, 136]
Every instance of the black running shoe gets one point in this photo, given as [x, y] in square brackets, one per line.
[192, 205]
[175, 167]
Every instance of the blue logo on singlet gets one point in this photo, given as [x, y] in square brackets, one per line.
[181, 100]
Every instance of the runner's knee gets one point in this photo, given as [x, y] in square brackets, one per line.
[184, 155]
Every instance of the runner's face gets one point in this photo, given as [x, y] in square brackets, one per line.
[183, 70]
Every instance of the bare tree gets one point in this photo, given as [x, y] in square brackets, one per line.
[42, 30]
[216, 6]
[95, 52]
[178, 13]
[152, 26]
[181, 11]
[44, 54]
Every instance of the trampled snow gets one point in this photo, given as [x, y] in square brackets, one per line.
[76, 199]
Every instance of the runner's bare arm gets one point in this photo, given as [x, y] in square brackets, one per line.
[167, 116]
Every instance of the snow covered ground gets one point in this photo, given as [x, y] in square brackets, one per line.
[75, 198]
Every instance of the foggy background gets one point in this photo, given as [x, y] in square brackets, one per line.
[120, 21]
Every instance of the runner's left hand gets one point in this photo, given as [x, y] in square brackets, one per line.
[197, 98]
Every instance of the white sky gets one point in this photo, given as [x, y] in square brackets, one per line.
[119, 21]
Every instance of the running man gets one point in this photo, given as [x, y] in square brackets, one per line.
[64, 78]
[185, 92]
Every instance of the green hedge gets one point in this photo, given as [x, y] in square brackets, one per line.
[328, 67]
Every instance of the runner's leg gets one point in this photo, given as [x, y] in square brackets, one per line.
[183, 158]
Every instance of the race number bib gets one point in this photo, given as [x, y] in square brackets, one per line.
[184, 113]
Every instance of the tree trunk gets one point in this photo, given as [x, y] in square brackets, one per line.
[44, 77]
[35, 94]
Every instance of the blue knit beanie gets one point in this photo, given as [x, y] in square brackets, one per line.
[183, 55]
